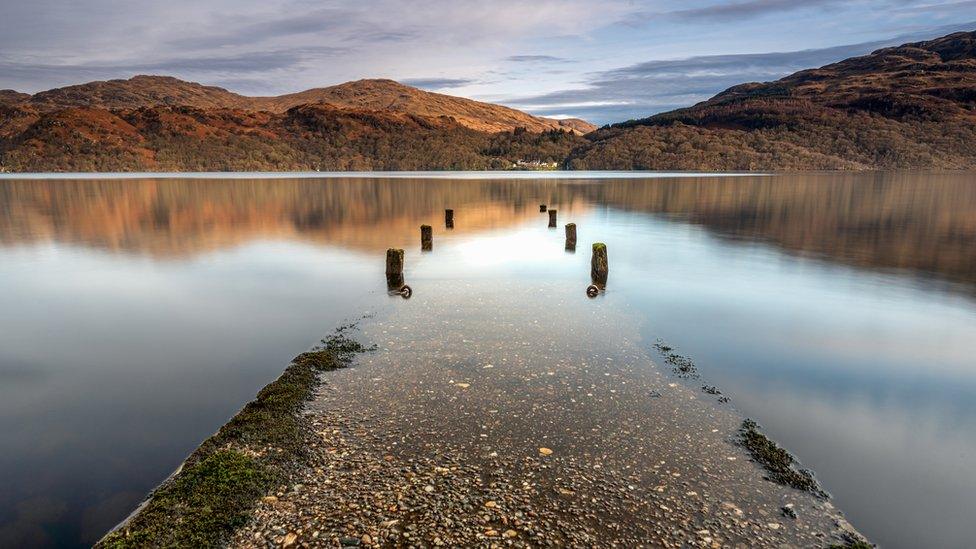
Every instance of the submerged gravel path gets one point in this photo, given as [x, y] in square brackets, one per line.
[533, 418]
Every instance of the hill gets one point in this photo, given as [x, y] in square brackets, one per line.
[375, 95]
[911, 106]
[388, 95]
[304, 138]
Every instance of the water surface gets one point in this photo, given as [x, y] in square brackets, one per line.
[838, 310]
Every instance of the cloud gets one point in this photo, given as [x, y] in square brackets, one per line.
[250, 33]
[938, 7]
[248, 63]
[643, 89]
[535, 59]
[49, 43]
[438, 83]
[743, 10]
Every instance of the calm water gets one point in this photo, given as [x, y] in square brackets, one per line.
[837, 310]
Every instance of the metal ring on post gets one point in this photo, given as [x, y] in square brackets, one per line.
[406, 291]
[592, 290]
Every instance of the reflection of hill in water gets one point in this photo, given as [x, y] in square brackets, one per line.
[167, 218]
[919, 222]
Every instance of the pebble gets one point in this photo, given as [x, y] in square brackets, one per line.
[419, 463]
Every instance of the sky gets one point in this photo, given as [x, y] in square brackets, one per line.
[603, 61]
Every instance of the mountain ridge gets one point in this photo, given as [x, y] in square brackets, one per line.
[366, 94]
[906, 107]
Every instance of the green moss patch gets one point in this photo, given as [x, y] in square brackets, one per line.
[852, 545]
[780, 464]
[852, 541]
[682, 366]
[224, 478]
[200, 506]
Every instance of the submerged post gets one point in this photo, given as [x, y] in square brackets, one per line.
[449, 219]
[426, 237]
[394, 268]
[571, 236]
[552, 218]
[599, 266]
[542, 207]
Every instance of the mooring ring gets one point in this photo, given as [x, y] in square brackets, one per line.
[406, 291]
[592, 290]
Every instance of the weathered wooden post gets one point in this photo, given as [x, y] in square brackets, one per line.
[426, 237]
[552, 219]
[394, 268]
[449, 219]
[542, 208]
[571, 236]
[599, 266]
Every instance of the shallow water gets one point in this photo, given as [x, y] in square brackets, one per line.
[545, 404]
[837, 310]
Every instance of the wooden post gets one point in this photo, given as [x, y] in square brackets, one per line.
[542, 207]
[449, 219]
[599, 265]
[394, 268]
[426, 237]
[571, 236]
[552, 219]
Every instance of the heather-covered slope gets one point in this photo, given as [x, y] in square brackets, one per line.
[374, 95]
[11, 97]
[387, 95]
[303, 138]
[911, 106]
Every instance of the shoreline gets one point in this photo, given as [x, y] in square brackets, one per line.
[435, 174]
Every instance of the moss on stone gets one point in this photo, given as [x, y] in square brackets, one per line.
[780, 464]
[852, 541]
[200, 506]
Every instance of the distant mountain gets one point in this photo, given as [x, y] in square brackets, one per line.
[911, 106]
[907, 107]
[139, 91]
[387, 95]
[374, 95]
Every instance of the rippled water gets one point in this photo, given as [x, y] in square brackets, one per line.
[837, 310]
